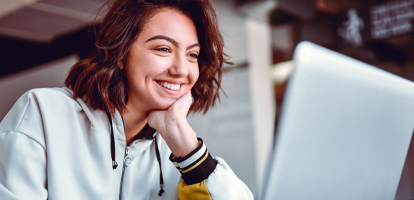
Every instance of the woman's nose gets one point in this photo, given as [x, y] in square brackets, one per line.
[179, 67]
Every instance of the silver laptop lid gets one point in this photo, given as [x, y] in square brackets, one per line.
[344, 131]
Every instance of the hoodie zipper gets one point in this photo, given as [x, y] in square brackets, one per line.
[127, 162]
[127, 159]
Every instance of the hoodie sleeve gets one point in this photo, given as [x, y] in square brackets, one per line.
[22, 167]
[205, 177]
[22, 158]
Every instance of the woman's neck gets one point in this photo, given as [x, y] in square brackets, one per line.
[134, 122]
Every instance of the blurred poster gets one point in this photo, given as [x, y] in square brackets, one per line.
[352, 29]
[377, 22]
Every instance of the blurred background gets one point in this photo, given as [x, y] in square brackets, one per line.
[41, 39]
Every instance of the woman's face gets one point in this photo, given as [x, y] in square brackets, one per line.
[162, 64]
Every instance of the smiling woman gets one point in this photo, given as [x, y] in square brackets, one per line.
[162, 64]
[155, 61]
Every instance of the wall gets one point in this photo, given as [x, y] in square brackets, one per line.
[240, 128]
[51, 74]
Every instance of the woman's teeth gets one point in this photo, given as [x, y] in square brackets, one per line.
[170, 85]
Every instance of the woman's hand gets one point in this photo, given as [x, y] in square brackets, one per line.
[173, 126]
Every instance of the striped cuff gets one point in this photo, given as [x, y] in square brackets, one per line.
[196, 166]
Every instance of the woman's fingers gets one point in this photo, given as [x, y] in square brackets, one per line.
[177, 112]
[173, 126]
[181, 106]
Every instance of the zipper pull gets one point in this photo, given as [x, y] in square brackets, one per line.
[127, 159]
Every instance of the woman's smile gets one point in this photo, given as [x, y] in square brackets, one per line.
[170, 88]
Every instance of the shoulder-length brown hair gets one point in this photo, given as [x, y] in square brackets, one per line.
[101, 83]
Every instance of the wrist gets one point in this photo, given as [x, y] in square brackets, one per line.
[196, 166]
[181, 139]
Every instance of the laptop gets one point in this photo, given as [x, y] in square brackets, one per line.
[344, 130]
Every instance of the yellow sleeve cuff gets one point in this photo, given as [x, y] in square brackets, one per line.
[196, 191]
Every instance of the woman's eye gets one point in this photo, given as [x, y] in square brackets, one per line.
[164, 49]
[194, 55]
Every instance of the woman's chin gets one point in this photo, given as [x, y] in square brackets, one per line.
[164, 105]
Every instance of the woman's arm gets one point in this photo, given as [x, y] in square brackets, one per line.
[204, 177]
[22, 167]
[173, 126]
[22, 158]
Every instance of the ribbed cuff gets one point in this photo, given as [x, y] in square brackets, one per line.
[196, 166]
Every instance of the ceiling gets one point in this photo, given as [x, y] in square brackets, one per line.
[43, 21]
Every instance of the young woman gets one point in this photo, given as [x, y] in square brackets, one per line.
[118, 130]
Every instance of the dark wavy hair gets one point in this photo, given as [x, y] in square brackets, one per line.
[103, 85]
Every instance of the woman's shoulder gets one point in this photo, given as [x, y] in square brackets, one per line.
[41, 95]
[36, 104]
[35, 108]
[49, 93]
[48, 99]
[49, 107]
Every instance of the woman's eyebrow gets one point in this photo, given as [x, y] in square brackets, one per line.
[194, 45]
[163, 37]
[172, 41]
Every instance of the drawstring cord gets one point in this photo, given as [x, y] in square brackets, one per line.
[114, 163]
[157, 151]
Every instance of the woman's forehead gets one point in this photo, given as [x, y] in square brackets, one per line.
[171, 23]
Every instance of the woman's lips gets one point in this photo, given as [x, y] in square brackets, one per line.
[170, 86]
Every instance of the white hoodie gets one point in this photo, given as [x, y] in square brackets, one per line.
[55, 147]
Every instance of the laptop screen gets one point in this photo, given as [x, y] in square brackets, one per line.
[344, 130]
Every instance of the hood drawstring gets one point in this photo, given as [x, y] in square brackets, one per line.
[157, 151]
[114, 163]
